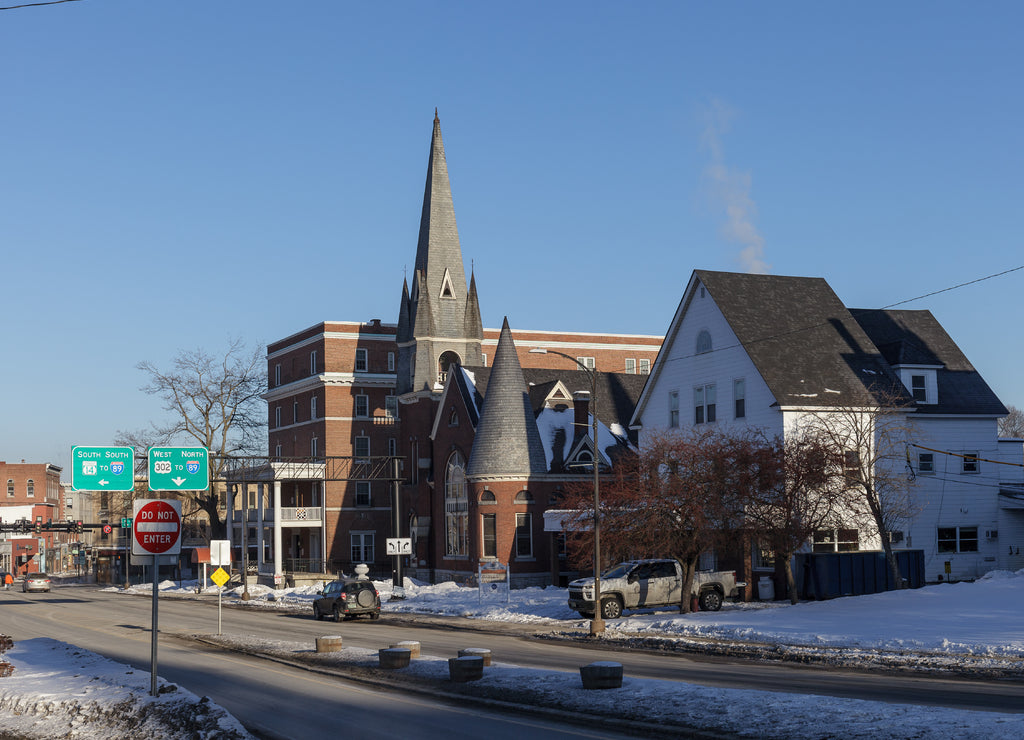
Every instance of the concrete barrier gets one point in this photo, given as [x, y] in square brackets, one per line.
[411, 645]
[602, 675]
[328, 644]
[394, 657]
[465, 669]
[482, 652]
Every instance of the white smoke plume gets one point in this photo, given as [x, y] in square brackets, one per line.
[729, 189]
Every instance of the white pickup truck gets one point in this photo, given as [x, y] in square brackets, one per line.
[638, 584]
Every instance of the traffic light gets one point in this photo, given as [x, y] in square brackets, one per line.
[78, 527]
[39, 527]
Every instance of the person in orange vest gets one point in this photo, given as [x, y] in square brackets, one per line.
[8, 580]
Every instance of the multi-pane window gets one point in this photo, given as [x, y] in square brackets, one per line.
[957, 539]
[295, 412]
[362, 547]
[312, 407]
[925, 462]
[314, 447]
[918, 388]
[277, 450]
[30, 488]
[704, 404]
[739, 398]
[362, 361]
[587, 362]
[391, 407]
[971, 462]
[391, 362]
[703, 341]
[362, 406]
[456, 506]
[673, 409]
[277, 416]
[312, 362]
[645, 367]
[392, 447]
[836, 540]
[10, 487]
[361, 446]
[630, 366]
[524, 536]
[363, 493]
[489, 524]
[277, 374]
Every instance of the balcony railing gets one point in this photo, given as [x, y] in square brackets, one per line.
[288, 514]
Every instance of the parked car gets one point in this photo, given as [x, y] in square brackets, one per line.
[36, 582]
[346, 598]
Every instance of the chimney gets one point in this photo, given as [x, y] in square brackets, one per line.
[581, 412]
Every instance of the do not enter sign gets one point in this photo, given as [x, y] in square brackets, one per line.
[156, 529]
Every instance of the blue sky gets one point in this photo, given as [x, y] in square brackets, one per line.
[178, 174]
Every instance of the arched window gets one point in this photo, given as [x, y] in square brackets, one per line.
[453, 418]
[444, 363]
[487, 497]
[31, 488]
[524, 497]
[456, 506]
[703, 341]
[10, 486]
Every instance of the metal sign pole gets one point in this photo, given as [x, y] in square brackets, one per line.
[156, 593]
[220, 594]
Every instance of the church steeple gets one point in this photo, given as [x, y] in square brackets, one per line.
[439, 322]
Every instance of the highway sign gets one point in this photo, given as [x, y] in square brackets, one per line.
[102, 468]
[126, 522]
[179, 469]
[157, 529]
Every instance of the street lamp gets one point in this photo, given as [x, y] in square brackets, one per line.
[597, 623]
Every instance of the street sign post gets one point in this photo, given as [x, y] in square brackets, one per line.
[179, 468]
[102, 468]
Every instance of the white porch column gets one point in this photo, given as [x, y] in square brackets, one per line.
[259, 527]
[229, 492]
[277, 532]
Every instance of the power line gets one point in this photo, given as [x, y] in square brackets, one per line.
[33, 5]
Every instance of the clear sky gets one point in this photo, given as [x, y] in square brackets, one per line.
[177, 174]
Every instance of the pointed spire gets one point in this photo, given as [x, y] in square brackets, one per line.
[474, 325]
[507, 439]
[404, 332]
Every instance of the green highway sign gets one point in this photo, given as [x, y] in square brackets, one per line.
[179, 469]
[126, 522]
[102, 468]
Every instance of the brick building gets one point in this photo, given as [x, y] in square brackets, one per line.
[374, 389]
[32, 492]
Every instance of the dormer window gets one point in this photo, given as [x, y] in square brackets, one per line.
[917, 388]
[921, 382]
[447, 289]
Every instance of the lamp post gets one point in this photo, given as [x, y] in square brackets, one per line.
[597, 623]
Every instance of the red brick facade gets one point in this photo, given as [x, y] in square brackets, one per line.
[35, 485]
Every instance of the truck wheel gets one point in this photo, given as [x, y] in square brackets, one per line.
[710, 601]
[611, 608]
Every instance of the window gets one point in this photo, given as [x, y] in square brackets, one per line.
[645, 367]
[362, 361]
[312, 362]
[739, 398]
[295, 412]
[918, 388]
[391, 362]
[362, 547]
[483, 359]
[277, 374]
[925, 462]
[524, 536]
[524, 497]
[489, 526]
[10, 487]
[277, 416]
[30, 488]
[363, 493]
[971, 462]
[704, 404]
[392, 447]
[391, 407]
[851, 464]
[453, 418]
[361, 448]
[312, 407]
[587, 362]
[314, 447]
[957, 539]
[362, 406]
[703, 341]
[835, 540]
[456, 506]
[277, 450]
[487, 497]
[630, 366]
[673, 409]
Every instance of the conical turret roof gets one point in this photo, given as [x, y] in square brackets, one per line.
[507, 440]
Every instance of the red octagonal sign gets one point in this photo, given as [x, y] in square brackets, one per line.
[156, 528]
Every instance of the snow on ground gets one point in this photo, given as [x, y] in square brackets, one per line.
[960, 622]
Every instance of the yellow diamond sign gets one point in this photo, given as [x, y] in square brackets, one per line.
[220, 577]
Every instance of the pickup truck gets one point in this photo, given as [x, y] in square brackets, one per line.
[638, 584]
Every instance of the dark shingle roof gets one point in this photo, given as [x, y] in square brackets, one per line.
[917, 338]
[802, 339]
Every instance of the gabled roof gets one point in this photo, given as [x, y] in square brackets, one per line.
[917, 338]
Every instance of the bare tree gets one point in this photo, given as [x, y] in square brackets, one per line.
[873, 441]
[678, 497]
[1012, 425]
[214, 401]
[802, 488]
